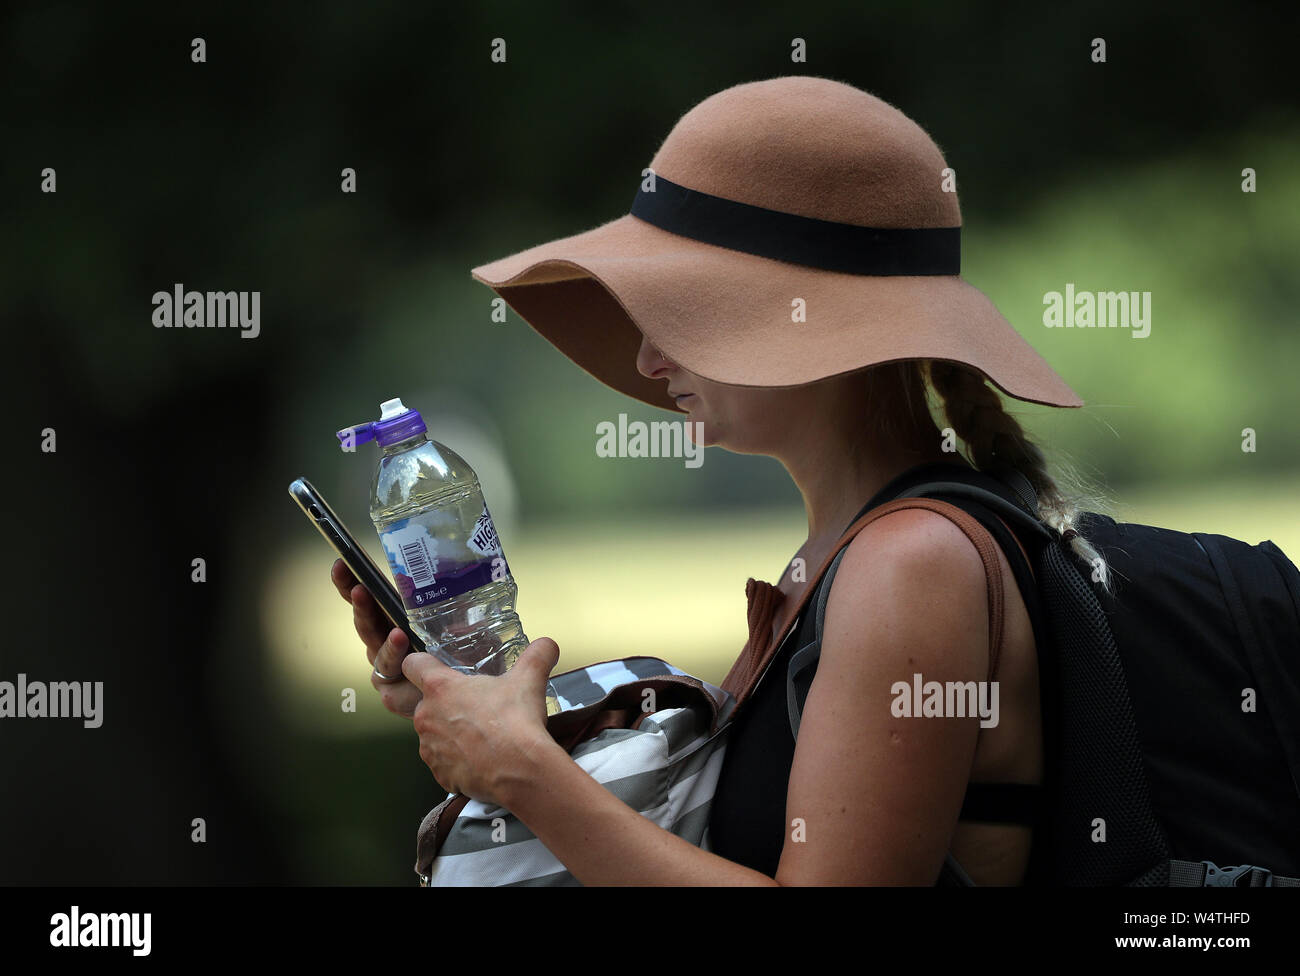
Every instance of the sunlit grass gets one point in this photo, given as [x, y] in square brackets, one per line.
[670, 587]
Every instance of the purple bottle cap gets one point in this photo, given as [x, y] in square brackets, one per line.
[396, 423]
[356, 435]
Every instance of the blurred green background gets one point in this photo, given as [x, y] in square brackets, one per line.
[222, 698]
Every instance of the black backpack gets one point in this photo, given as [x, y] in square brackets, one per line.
[1171, 708]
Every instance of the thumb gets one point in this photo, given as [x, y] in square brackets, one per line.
[538, 659]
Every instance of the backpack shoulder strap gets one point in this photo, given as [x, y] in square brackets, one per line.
[1016, 514]
[803, 657]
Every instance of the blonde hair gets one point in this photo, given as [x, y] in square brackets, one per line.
[992, 439]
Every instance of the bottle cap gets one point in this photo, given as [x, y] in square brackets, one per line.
[396, 423]
[391, 408]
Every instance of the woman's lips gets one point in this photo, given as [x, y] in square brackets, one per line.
[682, 396]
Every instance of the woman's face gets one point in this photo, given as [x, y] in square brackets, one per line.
[743, 419]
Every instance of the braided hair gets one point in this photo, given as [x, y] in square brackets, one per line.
[993, 439]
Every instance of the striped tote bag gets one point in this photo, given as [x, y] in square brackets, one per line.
[649, 732]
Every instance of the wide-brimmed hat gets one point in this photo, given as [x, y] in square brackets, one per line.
[786, 231]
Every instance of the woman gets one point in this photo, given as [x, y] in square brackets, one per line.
[788, 278]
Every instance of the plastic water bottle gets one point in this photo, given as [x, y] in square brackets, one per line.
[442, 548]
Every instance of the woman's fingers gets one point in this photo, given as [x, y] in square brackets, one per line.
[388, 660]
[399, 697]
[384, 651]
[342, 579]
[372, 623]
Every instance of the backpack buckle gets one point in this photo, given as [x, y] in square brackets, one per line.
[1230, 877]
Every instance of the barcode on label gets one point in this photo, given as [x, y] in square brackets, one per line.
[417, 563]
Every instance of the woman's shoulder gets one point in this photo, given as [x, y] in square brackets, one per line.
[912, 541]
[917, 578]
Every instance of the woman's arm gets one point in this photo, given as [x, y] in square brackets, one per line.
[873, 798]
[603, 841]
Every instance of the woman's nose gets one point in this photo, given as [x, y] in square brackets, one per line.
[650, 362]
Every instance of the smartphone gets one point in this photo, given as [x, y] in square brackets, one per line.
[314, 506]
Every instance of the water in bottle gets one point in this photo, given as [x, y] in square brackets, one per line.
[442, 548]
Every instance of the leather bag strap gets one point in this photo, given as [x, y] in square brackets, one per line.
[768, 604]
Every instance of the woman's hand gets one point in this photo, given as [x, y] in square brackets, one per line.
[482, 735]
[386, 645]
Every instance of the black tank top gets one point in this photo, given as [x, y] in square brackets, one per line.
[747, 818]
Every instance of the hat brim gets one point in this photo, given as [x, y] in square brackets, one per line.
[727, 316]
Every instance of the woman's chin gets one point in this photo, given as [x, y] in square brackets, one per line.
[695, 430]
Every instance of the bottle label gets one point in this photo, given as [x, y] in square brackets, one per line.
[428, 570]
[483, 539]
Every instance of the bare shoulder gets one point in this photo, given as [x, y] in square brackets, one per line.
[916, 577]
[911, 541]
